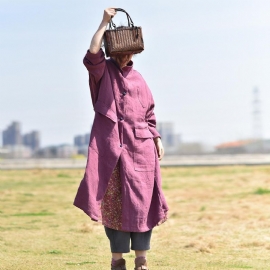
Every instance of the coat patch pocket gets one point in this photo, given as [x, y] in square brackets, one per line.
[144, 152]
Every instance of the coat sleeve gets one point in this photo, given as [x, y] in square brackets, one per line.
[150, 115]
[95, 64]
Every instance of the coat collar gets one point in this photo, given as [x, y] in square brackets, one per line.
[125, 70]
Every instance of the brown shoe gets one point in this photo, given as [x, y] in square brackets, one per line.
[120, 265]
[140, 264]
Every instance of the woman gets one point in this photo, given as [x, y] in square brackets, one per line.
[122, 182]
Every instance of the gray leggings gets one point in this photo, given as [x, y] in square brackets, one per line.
[120, 241]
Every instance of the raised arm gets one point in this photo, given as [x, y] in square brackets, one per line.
[97, 38]
[94, 59]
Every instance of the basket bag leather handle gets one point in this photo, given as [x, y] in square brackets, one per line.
[130, 22]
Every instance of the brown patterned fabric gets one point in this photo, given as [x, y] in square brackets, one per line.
[111, 207]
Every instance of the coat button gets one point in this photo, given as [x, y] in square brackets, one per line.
[124, 93]
[121, 145]
[121, 118]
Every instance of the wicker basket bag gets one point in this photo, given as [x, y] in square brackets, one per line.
[123, 39]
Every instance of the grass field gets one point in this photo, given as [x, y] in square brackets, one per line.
[219, 219]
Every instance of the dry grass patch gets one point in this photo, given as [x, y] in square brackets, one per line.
[219, 219]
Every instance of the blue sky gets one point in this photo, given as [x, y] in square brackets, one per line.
[202, 60]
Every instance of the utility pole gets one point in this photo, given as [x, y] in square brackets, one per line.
[257, 120]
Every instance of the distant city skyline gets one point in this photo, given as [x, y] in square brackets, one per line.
[12, 135]
[21, 146]
[18, 145]
[202, 60]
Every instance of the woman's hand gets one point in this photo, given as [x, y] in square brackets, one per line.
[159, 147]
[108, 14]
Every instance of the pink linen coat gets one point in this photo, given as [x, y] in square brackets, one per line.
[123, 129]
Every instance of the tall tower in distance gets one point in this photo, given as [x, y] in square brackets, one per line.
[257, 121]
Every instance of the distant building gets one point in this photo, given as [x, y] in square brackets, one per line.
[47, 152]
[15, 151]
[235, 147]
[244, 146]
[87, 138]
[81, 140]
[59, 151]
[19, 145]
[12, 134]
[66, 151]
[191, 148]
[32, 140]
[170, 140]
[258, 146]
[4, 152]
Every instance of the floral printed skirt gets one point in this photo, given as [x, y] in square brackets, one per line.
[111, 206]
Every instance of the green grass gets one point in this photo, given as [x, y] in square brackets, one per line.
[33, 214]
[219, 219]
[262, 191]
